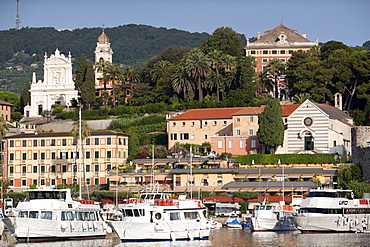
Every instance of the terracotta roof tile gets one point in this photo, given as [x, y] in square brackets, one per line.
[288, 109]
[272, 35]
[209, 113]
[250, 110]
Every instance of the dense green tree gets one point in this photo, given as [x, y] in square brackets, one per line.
[271, 127]
[225, 40]
[181, 82]
[10, 97]
[85, 81]
[247, 78]
[130, 76]
[112, 72]
[198, 66]
[348, 173]
[25, 98]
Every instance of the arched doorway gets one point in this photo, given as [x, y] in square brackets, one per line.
[308, 141]
[40, 110]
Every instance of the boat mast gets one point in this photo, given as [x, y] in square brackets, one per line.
[191, 173]
[153, 168]
[80, 150]
[118, 179]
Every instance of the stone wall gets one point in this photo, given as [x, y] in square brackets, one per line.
[361, 149]
[66, 126]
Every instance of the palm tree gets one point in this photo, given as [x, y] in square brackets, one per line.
[100, 67]
[130, 76]
[180, 81]
[112, 73]
[117, 93]
[275, 68]
[159, 70]
[215, 79]
[263, 83]
[198, 66]
[300, 98]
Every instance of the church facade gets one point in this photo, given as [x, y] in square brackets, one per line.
[57, 88]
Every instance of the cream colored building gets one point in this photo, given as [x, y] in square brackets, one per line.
[6, 110]
[48, 158]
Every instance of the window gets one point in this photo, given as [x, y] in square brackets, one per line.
[88, 181]
[192, 123]
[241, 143]
[183, 123]
[290, 51]
[184, 136]
[251, 132]
[24, 169]
[265, 60]
[173, 136]
[109, 154]
[173, 123]
[192, 137]
[42, 169]
[334, 143]
[109, 167]
[74, 142]
[274, 51]
[11, 156]
[219, 144]
[96, 181]
[52, 142]
[64, 142]
[282, 51]
[205, 136]
[264, 68]
[175, 216]
[24, 182]
[53, 155]
[88, 156]
[214, 122]
[64, 181]
[97, 168]
[231, 144]
[282, 60]
[42, 156]
[238, 119]
[109, 141]
[11, 143]
[87, 141]
[34, 156]
[225, 122]
[253, 52]
[96, 141]
[205, 123]
[34, 169]
[42, 181]
[24, 156]
[238, 132]
[35, 143]
[42, 144]
[87, 168]
[53, 181]
[11, 169]
[265, 52]
[24, 143]
[253, 143]
[251, 119]
[96, 155]
[53, 168]
[64, 168]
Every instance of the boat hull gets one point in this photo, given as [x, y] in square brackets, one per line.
[38, 230]
[267, 224]
[320, 223]
[164, 231]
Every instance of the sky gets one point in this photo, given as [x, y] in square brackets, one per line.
[340, 20]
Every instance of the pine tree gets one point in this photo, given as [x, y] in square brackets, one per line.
[271, 126]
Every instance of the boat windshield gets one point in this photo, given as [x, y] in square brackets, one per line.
[46, 195]
[330, 194]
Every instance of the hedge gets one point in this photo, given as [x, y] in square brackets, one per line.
[286, 159]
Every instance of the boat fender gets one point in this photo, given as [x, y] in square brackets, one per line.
[64, 225]
[338, 221]
[356, 221]
[109, 229]
[279, 208]
[190, 236]
[199, 204]
[351, 224]
[173, 236]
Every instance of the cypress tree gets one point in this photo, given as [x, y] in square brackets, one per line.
[85, 80]
[25, 98]
[271, 126]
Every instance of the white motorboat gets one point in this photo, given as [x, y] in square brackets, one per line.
[51, 214]
[233, 222]
[156, 217]
[332, 210]
[272, 218]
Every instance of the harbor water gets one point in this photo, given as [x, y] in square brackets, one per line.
[231, 238]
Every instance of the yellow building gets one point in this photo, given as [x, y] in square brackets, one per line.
[49, 159]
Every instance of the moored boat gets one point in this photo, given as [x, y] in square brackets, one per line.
[51, 214]
[272, 218]
[156, 217]
[332, 210]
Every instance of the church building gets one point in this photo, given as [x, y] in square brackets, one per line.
[58, 87]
